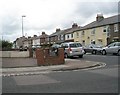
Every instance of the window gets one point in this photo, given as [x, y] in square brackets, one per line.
[83, 42]
[83, 33]
[75, 45]
[93, 32]
[118, 44]
[77, 34]
[61, 37]
[71, 35]
[104, 29]
[116, 28]
[68, 36]
[92, 41]
[108, 31]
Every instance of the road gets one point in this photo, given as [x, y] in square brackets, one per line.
[102, 80]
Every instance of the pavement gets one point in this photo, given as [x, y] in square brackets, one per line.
[9, 68]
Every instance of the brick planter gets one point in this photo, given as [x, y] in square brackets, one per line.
[44, 57]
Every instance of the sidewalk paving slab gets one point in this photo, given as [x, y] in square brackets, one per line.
[70, 64]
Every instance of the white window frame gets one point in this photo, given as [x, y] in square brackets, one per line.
[72, 35]
[115, 27]
[93, 32]
[77, 34]
[83, 33]
[104, 28]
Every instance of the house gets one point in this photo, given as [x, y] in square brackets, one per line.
[30, 41]
[19, 42]
[69, 33]
[65, 35]
[102, 31]
[44, 39]
[57, 37]
[25, 43]
[36, 40]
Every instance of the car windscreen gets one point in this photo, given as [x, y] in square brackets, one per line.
[74, 45]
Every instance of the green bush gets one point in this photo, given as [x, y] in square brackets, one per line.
[5, 45]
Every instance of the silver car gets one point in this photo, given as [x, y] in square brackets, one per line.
[93, 48]
[113, 48]
[72, 49]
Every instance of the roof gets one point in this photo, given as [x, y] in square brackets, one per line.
[44, 35]
[65, 31]
[105, 21]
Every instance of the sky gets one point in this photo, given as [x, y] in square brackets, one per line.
[47, 15]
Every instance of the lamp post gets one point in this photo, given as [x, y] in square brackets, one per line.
[22, 25]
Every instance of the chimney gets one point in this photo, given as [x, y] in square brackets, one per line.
[99, 17]
[35, 35]
[58, 29]
[29, 37]
[43, 33]
[74, 25]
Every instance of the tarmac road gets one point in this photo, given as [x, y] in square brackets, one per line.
[102, 80]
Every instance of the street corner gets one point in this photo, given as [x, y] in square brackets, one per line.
[70, 65]
[74, 65]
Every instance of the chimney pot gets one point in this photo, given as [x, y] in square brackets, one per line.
[74, 25]
[99, 17]
[43, 33]
[35, 35]
[58, 29]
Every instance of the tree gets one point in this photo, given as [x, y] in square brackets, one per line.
[5, 45]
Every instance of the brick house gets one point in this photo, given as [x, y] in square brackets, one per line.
[44, 39]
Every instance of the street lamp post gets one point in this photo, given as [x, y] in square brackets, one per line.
[22, 25]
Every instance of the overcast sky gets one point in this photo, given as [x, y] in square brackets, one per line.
[47, 15]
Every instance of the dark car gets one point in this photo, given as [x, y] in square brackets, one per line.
[93, 48]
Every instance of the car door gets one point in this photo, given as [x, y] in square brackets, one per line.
[115, 48]
[110, 48]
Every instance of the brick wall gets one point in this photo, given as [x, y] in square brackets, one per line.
[45, 58]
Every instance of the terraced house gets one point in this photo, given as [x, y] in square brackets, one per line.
[102, 31]
[66, 35]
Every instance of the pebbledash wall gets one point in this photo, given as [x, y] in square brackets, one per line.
[10, 54]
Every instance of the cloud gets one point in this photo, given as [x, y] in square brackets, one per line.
[47, 15]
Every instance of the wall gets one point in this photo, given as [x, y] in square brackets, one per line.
[88, 37]
[14, 54]
[44, 58]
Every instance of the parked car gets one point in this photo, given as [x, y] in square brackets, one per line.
[21, 48]
[36, 46]
[113, 48]
[56, 46]
[72, 49]
[93, 48]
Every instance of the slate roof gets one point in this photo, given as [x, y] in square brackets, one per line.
[105, 21]
[43, 36]
[65, 31]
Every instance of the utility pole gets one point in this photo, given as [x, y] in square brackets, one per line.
[22, 25]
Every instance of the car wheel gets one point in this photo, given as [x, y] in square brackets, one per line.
[118, 53]
[103, 52]
[81, 56]
[65, 55]
[94, 52]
